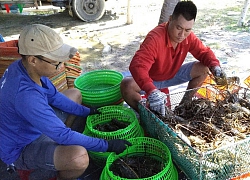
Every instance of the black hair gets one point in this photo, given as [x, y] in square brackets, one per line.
[185, 8]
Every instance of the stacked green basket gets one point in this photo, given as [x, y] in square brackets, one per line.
[100, 87]
[121, 113]
[144, 146]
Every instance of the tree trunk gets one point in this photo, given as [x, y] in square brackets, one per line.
[167, 10]
[129, 16]
[243, 13]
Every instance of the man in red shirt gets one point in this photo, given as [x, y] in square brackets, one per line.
[158, 63]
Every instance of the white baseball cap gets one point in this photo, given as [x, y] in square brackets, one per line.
[38, 39]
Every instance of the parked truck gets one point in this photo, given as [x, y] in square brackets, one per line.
[86, 10]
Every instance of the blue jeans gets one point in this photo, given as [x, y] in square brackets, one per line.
[182, 76]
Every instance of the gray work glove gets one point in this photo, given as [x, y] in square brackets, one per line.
[219, 75]
[157, 101]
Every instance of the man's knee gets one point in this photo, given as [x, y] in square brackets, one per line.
[81, 159]
[125, 82]
[71, 158]
[199, 65]
[129, 84]
[74, 94]
[199, 69]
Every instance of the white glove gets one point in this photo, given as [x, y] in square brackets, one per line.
[219, 74]
[157, 101]
[217, 71]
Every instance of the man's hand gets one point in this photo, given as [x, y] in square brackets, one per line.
[94, 111]
[117, 145]
[157, 101]
[219, 75]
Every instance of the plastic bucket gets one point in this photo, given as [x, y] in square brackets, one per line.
[144, 146]
[100, 87]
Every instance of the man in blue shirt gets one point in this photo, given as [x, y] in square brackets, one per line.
[31, 132]
[1, 38]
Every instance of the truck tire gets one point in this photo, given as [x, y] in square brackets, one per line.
[88, 10]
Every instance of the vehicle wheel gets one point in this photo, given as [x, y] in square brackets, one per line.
[88, 10]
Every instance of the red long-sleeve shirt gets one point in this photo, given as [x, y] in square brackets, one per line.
[156, 60]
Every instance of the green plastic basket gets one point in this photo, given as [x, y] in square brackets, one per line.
[100, 158]
[149, 146]
[107, 113]
[99, 87]
[103, 174]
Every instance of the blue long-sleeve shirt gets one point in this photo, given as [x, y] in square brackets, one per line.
[26, 113]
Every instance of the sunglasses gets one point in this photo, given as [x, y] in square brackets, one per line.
[56, 65]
